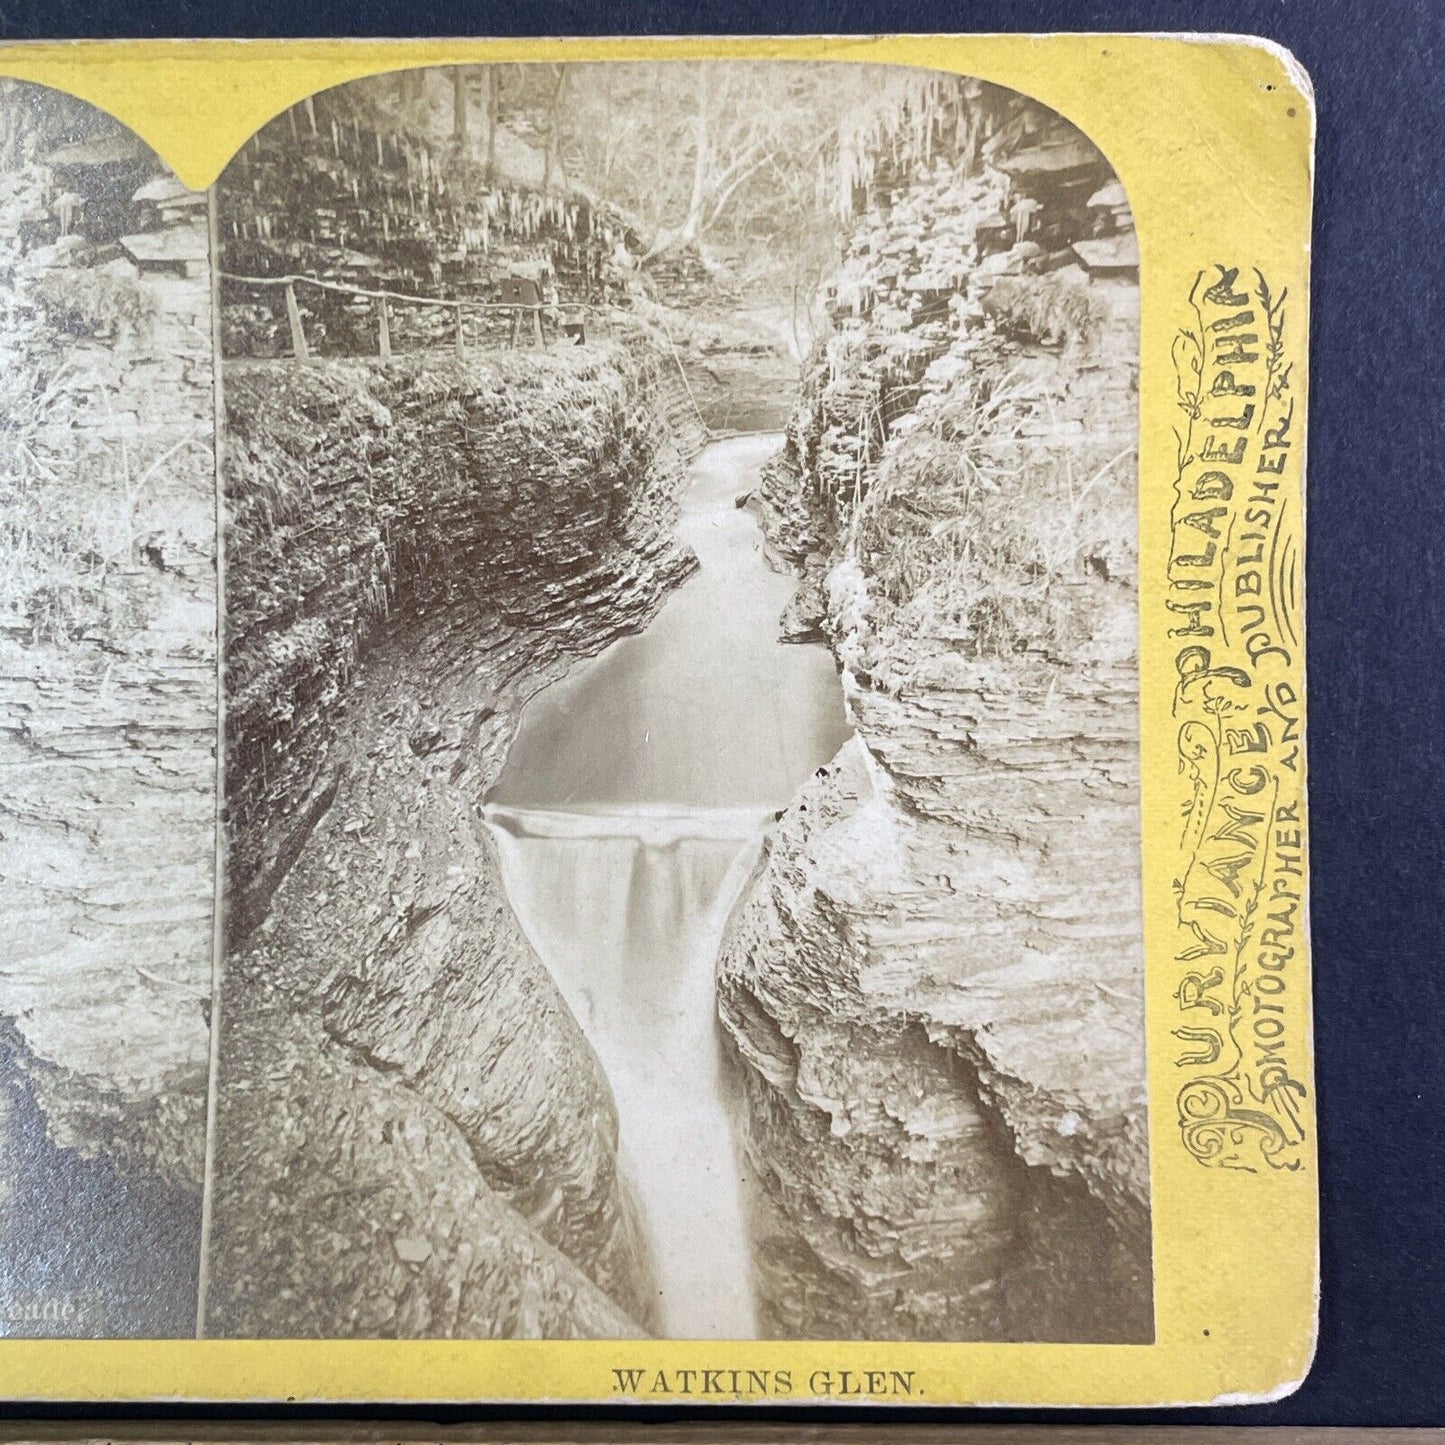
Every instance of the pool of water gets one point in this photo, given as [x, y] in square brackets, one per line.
[628, 817]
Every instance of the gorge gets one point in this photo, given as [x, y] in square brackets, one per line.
[686, 883]
[628, 814]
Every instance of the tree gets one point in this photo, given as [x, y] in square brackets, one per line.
[494, 115]
[459, 108]
[755, 169]
[738, 131]
[552, 163]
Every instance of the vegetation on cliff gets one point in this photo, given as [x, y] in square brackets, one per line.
[935, 987]
[419, 549]
[108, 694]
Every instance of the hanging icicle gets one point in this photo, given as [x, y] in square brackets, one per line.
[902, 120]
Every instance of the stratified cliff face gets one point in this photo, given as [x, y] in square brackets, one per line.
[935, 983]
[108, 679]
[414, 1137]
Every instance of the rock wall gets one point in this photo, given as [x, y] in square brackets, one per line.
[339, 188]
[934, 986]
[108, 659]
[511, 491]
[413, 1135]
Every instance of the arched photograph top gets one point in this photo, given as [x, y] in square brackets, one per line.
[108, 657]
[699, 500]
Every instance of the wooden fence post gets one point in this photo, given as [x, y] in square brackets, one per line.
[461, 337]
[299, 349]
[383, 327]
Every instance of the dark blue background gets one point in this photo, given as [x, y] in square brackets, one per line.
[1376, 575]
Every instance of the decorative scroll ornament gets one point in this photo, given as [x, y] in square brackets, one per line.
[1231, 613]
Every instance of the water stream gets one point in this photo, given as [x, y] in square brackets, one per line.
[628, 816]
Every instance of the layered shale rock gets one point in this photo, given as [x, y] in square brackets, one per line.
[525, 497]
[468, 531]
[371, 1213]
[107, 663]
[935, 984]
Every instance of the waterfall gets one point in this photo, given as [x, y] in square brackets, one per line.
[628, 816]
[628, 915]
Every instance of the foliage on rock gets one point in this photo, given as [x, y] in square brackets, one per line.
[1053, 310]
[935, 986]
[95, 302]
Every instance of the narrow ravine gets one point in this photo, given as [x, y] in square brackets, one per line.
[628, 816]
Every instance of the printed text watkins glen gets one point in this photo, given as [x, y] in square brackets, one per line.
[775, 1384]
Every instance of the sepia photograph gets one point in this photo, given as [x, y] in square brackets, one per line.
[108, 725]
[681, 791]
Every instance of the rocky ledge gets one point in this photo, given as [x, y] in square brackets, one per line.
[934, 985]
[108, 707]
[414, 1137]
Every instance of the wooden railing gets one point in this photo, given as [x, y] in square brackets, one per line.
[301, 349]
